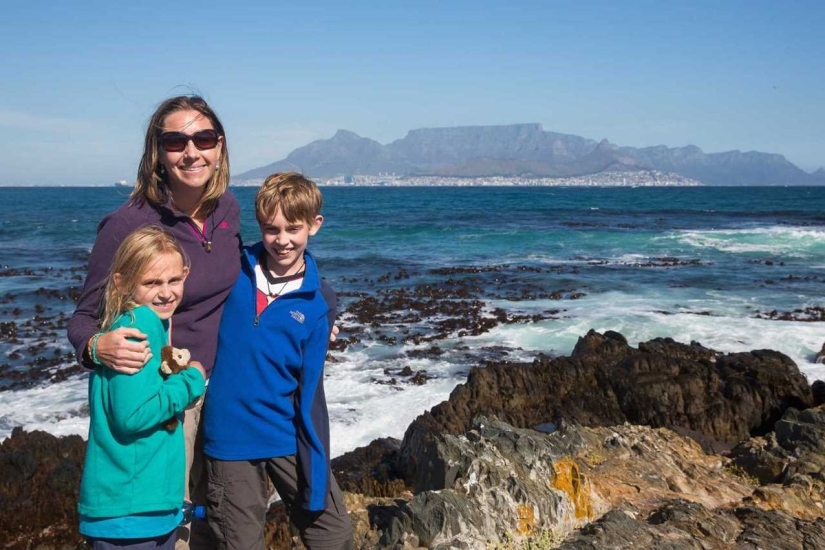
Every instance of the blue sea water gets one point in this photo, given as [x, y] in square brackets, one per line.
[717, 265]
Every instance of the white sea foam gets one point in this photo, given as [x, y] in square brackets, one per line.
[788, 240]
[363, 405]
[360, 408]
[715, 323]
[386, 411]
[54, 408]
[631, 258]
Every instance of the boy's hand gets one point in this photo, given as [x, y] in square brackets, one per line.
[117, 351]
[333, 334]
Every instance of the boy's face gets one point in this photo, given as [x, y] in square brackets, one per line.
[286, 241]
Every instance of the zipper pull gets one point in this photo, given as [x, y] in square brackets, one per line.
[208, 246]
[255, 322]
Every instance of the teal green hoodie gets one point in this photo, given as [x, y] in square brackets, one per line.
[133, 464]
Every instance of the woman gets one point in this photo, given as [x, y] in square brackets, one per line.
[182, 185]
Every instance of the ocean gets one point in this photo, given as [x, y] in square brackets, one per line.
[436, 280]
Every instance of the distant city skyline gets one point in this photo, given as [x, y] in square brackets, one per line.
[81, 79]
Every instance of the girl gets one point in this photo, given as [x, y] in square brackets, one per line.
[133, 478]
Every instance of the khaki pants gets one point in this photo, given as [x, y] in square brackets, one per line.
[237, 505]
[195, 535]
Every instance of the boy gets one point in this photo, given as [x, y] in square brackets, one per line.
[265, 413]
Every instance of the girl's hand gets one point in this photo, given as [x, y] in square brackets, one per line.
[334, 333]
[197, 365]
[119, 353]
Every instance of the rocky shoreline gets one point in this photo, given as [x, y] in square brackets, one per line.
[665, 445]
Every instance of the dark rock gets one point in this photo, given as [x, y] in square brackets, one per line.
[370, 470]
[818, 391]
[622, 487]
[454, 307]
[616, 529]
[809, 314]
[478, 479]
[802, 431]
[725, 398]
[39, 488]
[776, 530]
[761, 458]
[496, 478]
[820, 356]
[684, 525]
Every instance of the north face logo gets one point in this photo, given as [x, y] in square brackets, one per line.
[298, 316]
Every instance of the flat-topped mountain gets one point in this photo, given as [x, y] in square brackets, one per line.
[526, 150]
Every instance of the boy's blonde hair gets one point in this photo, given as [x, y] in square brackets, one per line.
[135, 254]
[298, 198]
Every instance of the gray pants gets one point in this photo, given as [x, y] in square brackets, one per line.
[237, 505]
[163, 542]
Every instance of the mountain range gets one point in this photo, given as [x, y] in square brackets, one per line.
[526, 150]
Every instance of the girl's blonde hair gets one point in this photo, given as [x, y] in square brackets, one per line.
[135, 254]
[151, 185]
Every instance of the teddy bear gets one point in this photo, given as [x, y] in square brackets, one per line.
[173, 360]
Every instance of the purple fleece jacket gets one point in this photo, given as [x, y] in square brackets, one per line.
[214, 270]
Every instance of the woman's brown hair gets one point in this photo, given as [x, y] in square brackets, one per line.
[151, 185]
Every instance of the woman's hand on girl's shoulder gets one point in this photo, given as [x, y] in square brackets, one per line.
[120, 351]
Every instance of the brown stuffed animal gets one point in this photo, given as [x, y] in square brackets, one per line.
[173, 360]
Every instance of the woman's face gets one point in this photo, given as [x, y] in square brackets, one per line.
[191, 168]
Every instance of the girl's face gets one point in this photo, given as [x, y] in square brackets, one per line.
[191, 168]
[161, 285]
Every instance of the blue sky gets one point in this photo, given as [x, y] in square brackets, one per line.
[79, 80]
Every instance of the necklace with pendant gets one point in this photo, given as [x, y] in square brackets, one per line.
[271, 293]
[198, 224]
[283, 281]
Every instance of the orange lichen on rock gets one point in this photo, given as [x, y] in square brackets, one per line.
[526, 520]
[572, 481]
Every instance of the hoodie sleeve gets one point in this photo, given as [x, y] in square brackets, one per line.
[84, 322]
[312, 414]
[136, 405]
[139, 402]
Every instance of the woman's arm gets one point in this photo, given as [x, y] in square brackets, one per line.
[124, 350]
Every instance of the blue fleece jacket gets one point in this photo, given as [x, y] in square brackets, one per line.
[266, 395]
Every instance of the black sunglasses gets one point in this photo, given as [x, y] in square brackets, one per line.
[175, 142]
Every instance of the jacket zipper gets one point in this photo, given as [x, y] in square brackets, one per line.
[254, 295]
[269, 305]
